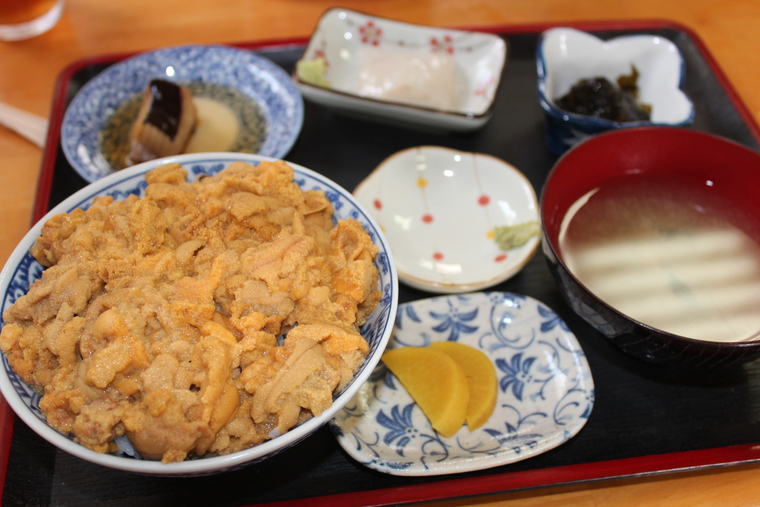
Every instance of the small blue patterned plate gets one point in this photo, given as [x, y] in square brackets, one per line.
[269, 123]
[545, 393]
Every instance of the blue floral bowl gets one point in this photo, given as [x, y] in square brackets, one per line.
[566, 56]
[22, 269]
[277, 101]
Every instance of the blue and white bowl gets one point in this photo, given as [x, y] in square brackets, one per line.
[566, 56]
[22, 269]
[267, 84]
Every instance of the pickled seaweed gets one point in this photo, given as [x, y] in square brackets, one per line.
[600, 98]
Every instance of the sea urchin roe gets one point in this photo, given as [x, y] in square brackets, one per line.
[600, 98]
[158, 318]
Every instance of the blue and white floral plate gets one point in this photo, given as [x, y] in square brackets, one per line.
[545, 394]
[278, 101]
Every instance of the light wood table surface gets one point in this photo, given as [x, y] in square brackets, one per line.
[729, 28]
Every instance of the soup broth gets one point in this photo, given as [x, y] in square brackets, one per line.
[228, 120]
[671, 254]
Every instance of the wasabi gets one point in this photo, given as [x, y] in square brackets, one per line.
[313, 72]
[508, 237]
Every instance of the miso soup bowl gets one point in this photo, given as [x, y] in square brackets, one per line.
[723, 165]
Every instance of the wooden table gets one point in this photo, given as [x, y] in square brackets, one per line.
[28, 70]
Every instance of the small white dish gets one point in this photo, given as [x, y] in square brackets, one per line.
[566, 56]
[439, 208]
[545, 395]
[259, 92]
[397, 72]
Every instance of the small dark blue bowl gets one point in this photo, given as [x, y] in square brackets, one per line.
[565, 56]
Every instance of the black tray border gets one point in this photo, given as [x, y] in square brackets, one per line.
[454, 487]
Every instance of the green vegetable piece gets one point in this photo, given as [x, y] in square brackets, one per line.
[508, 237]
[313, 72]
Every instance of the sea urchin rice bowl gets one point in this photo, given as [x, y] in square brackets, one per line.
[102, 347]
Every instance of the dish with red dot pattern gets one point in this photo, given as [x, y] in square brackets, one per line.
[440, 208]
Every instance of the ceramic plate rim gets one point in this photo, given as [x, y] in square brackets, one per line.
[401, 106]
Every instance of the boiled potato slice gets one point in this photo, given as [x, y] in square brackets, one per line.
[436, 383]
[481, 378]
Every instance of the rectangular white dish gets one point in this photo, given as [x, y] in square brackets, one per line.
[401, 73]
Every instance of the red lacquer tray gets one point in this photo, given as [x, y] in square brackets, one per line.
[645, 420]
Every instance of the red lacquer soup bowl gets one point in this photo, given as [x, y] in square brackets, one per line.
[652, 236]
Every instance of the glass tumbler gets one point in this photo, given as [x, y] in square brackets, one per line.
[23, 19]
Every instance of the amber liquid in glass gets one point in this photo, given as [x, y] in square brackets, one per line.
[13, 12]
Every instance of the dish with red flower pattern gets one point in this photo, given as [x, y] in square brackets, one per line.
[400, 73]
